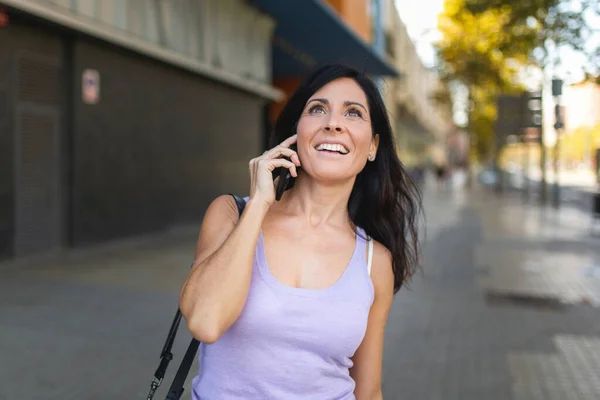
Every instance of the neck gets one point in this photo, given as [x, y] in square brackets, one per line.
[318, 203]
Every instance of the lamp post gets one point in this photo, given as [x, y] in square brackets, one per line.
[558, 126]
[533, 118]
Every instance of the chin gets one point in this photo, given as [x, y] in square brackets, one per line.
[332, 175]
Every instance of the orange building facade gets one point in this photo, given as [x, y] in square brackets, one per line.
[357, 15]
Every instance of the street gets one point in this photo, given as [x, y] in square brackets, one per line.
[575, 189]
[506, 306]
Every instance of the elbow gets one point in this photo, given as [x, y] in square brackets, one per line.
[197, 322]
[203, 330]
[206, 323]
[204, 334]
[375, 394]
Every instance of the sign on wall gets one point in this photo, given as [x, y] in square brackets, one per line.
[90, 86]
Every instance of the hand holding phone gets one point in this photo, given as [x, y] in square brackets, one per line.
[278, 161]
[286, 180]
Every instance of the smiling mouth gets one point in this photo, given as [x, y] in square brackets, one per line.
[332, 148]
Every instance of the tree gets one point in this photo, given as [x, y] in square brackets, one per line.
[477, 50]
[486, 43]
[579, 145]
[555, 23]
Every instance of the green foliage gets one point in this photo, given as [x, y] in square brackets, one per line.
[580, 144]
[442, 97]
[477, 49]
[485, 43]
[554, 22]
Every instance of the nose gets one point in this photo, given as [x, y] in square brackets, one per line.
[333, 125]
[334, 128]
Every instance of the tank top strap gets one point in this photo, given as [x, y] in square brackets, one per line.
[361, 249]
[359, 282]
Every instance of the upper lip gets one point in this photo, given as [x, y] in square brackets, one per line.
[331, 142]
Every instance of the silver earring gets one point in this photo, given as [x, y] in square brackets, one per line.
[371, 157]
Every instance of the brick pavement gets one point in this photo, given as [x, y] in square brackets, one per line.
[452, 340]
[546, 259]
[90, 326]
[535, 252]
[570, 373]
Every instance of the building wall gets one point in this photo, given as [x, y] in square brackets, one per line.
[357, 14]
[287, 86]
[582, 104]
[158, 147]
[32, 82]
[417, 114]
[6, 145]
[225, 40]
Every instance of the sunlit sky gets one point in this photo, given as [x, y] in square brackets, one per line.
[420, 18]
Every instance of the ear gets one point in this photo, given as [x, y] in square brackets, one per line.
[374, 144]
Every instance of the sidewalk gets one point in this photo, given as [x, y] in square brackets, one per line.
[502, 309]
[535, 252]
[545, 259]
[91, 324]
[482, 321]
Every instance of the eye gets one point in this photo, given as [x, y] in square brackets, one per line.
[316, 109]
[354, 112]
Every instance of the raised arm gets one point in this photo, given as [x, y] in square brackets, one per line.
[216, 289]
[215, 292]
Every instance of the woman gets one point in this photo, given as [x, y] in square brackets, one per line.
[285, 300]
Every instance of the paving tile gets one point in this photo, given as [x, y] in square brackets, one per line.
[570, 373]
[104, 316]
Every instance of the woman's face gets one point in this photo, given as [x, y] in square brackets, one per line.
[334, 132]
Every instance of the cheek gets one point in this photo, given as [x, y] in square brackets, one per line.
[362, 139]
[306, 127]
[306, 130]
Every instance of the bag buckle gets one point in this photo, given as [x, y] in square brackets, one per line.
[153, 386]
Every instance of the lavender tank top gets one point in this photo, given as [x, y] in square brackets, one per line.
[290, 343]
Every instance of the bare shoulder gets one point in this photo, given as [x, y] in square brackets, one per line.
[218, 222]
[222, 207]
[382, 273]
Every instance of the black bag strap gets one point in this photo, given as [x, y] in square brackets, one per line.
[176, 390]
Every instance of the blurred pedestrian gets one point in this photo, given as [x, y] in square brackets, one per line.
[291, 300]
[441, 175]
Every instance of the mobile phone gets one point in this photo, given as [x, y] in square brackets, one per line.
[286, 180]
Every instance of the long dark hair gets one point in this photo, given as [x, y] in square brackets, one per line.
[384, 200]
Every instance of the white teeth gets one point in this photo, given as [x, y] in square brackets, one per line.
[332, 147]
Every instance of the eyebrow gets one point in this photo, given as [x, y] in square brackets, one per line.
[346, 103]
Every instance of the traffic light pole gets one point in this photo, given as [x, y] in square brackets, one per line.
[556, 192]
[533, 118]
[543, 184]
[526, 174]
[558, 125]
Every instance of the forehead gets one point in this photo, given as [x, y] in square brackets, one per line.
[340, 90]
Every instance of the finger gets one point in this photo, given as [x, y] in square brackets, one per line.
[280, 162]
[289, 141]
[252, 167]
[285, 152]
